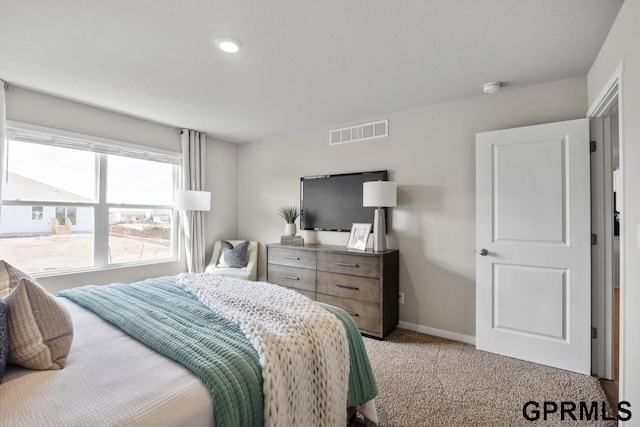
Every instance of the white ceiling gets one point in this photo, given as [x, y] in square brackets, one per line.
[305, 63]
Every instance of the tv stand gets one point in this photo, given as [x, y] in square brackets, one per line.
[364, 284]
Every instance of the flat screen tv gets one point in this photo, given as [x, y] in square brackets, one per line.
[334, 202]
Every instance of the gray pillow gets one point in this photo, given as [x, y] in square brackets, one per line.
[39, 328]
[4, 339]
[233, 257]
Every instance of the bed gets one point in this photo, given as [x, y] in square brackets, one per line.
[111, 378]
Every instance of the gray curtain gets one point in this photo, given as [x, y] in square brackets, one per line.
[3, 139]
[193, 178]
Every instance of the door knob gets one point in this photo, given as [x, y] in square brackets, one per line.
[484, 252]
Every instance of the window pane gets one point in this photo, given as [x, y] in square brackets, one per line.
[33, 239]
[37, 213]
[139, 234]
[60, 215]
[64, 213]
[139, 182]
[49, 174]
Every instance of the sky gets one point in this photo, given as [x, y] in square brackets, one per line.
[129, 180]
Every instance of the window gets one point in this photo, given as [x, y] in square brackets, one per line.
[37, 213]
[65, 214]
[74, 201]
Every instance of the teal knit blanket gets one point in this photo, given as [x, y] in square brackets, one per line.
[177, 325]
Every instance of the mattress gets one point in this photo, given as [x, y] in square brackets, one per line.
[110, 379]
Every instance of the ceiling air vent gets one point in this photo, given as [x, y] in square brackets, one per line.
[359, 132]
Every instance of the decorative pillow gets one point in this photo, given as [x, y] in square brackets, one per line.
[4, 339]
[40, 330]
[233, 257]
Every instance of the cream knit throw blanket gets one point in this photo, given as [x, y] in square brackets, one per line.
[303, 348]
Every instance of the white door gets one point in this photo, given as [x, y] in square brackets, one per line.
[533, 237]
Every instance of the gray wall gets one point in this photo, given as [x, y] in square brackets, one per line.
[430, 154]
[622, 45]
[222, 158]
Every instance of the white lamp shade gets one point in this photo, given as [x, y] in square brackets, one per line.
[379, 194]
[189, 200]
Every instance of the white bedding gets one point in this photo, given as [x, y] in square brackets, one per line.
[303, 348]
[110, 379]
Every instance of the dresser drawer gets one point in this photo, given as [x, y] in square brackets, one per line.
[291, 277]
[366, 315]
[363, 283]
[357, 265]
[347, 286]
[292, 257]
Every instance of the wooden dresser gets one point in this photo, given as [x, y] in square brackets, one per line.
[364, 284]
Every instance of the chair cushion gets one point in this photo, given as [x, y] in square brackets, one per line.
[231, 257]
[40, 330]
[4, 338]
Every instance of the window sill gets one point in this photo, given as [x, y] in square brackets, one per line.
[83, 270]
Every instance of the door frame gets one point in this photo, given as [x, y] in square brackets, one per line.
[599, 112]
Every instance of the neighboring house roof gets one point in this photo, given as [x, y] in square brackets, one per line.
[18, 187]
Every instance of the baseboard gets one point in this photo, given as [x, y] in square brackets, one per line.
[468, 339]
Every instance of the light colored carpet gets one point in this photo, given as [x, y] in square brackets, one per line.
[429, 381]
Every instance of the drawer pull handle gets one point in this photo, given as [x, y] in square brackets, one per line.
[355, 288]
[290, 277]
[344, 264]
[295, 258]
[353, 313]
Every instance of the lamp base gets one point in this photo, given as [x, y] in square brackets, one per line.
[379, 231]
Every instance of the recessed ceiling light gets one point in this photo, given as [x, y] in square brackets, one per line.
[491, 87]
[228, 44]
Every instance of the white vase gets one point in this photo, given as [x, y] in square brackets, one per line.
[290, 230]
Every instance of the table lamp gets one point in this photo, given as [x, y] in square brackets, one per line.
[379, 194]
[190, 200]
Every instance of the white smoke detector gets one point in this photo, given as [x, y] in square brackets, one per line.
[491, 87]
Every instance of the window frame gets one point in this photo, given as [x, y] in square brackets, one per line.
[102, 148]
[40, 211]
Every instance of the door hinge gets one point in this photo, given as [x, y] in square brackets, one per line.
[594, 239]
[594, 332]
[593, 146]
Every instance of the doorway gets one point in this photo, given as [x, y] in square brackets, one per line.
[609, 379]
[607, 163]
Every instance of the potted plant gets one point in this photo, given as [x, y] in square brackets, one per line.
[290, 214]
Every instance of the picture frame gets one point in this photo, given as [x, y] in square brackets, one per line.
[359, 236]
